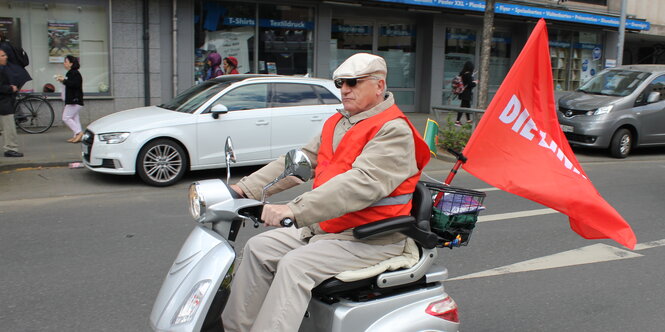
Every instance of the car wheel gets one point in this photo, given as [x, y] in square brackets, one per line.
[621, 143]
[161, 163]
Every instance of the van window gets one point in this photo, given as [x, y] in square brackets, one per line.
[615, 82]
[657, 85]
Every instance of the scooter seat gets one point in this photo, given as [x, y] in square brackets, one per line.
[421, 210]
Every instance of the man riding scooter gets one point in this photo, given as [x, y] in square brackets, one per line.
[368, 159]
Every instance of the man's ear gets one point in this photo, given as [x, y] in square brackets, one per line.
[381, 84]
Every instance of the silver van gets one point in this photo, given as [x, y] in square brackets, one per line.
[621, 108]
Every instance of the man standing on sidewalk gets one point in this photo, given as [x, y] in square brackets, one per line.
[7, 94]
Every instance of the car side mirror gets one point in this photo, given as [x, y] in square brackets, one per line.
[218, 109]
[653, 97]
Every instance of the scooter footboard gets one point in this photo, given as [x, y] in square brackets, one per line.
[399, 312]
[192, 282]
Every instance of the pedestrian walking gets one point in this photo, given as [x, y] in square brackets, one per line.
[213, 60]
[467, 94]
[7, 95]
[73, 97]
[15, 70]
[230, 65]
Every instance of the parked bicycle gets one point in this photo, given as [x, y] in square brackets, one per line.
[34, 114]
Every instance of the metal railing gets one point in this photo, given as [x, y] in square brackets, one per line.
[441, 111]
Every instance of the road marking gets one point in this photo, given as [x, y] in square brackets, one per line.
[520, 214]
[649, 245]
[586, 255]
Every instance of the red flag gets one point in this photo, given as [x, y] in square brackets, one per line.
[519, 147]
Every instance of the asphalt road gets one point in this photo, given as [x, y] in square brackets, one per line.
[88, 252]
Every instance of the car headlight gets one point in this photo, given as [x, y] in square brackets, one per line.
[113, 138]
[602, 110]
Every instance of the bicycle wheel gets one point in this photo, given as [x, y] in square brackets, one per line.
[34, 115]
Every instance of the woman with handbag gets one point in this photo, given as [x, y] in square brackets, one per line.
[73, 97]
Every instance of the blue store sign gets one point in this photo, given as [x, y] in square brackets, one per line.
[528, 11]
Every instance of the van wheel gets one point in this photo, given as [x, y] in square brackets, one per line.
[621, 143]
[161, 163]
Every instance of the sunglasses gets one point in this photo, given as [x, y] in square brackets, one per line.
[351, 82]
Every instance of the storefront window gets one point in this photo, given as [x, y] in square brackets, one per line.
[50, 30]
[397, 45]
[285, 34]
[348, 37]
[460, 48]
[587, 54]
[285, 39]
[227, 29]
[395, 42]
[575, 57]
[499, 60]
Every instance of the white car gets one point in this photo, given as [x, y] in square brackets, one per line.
[265, 115]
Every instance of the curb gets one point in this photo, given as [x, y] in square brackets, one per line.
[13, 167]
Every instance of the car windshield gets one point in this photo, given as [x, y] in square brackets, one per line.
[190, 100]
[614, 82]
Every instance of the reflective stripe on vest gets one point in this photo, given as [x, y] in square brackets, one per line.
[331, 163]
[393, 200]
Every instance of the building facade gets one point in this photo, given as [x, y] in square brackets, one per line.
[140, 52]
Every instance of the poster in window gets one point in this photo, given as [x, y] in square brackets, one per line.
[63, 40]
[11, 29]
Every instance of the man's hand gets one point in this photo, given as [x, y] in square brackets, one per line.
[238, 190]
[14, 88]
[273, 214]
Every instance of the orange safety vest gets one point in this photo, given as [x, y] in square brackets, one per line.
[331, 163]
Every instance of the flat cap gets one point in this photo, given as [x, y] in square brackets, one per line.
[360, 65]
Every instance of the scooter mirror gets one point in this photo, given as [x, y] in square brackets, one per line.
[230, 157]
[297, 164]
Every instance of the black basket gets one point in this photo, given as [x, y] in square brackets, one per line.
[454, 213]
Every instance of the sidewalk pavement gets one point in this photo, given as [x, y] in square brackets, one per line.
[47, 149]
[51, 149]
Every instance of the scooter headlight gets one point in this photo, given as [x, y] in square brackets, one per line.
[197, 204]
[204, 194]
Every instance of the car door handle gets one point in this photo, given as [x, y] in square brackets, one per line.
[262, 123]
[316, 118]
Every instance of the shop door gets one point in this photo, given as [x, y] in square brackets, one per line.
[394, 41]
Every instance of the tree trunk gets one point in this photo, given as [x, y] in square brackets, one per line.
[488, 28]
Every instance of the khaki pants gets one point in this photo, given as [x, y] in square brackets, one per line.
[272, 286]
[9, 132]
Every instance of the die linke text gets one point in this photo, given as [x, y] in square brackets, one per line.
[523, 124]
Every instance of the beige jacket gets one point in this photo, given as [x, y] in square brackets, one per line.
[386, 161]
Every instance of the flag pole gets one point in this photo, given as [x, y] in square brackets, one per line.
[461, 159]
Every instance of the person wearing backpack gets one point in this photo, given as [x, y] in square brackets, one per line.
[17, 61]
[467, 94]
